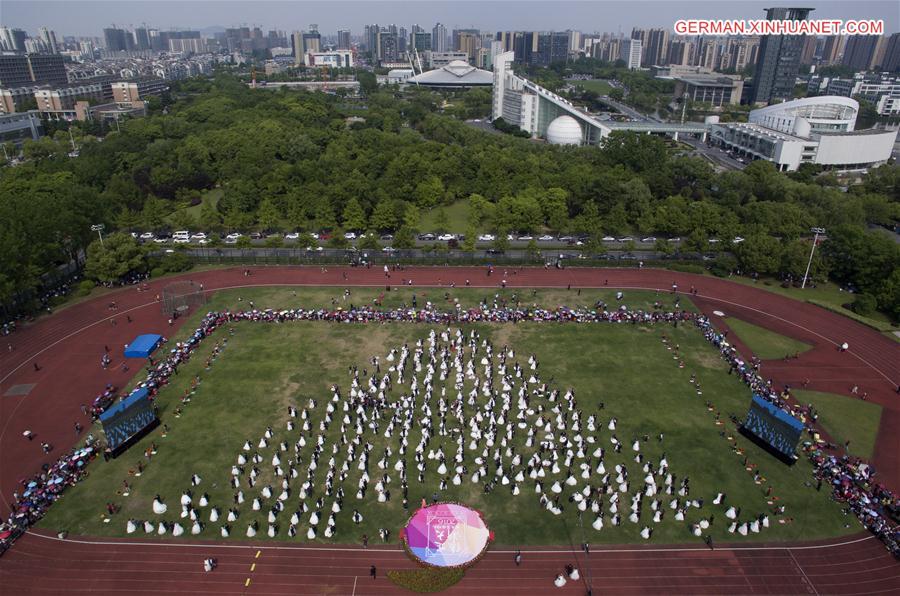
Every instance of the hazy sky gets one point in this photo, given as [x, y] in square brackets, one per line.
[75, 17]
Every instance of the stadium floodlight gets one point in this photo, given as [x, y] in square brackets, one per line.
[815, 231]
[99, 229]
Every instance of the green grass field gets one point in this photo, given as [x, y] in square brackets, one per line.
[765, 344]
[211, 196]
[846, 418]
[597, 85]
[457, 218]
[626, 368]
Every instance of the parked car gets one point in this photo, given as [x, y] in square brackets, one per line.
[198, 236]
[426, 237]
[566, 238]
[388, 249]
[134, 235]
[487, 238]
[675, 239]
[546, 238]
[350, 235]
[387, 237]
[257, 236]
[446, 237]
[233, 236]
[162, 240]
[147, 236]
[203, 241]
[292, 236]
[181, 240]
[626, 239]
[737, 240]
[609, 239]
[510, 237]
[649, 239]
[526, 238]
[713, 240]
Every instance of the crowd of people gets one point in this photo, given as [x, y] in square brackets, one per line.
[852, 480]
[40, 491]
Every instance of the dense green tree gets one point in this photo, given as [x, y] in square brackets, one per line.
[759, 254]
[114, 258]
[384, 216]
[354, 216]
[268, 215]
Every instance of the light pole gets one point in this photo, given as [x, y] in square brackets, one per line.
[99, 229]
[815, 231]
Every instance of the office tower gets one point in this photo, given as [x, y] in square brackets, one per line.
[115, 39]
[141, 38]
[48, 38]
[422, 41]
[439, 38]
[863, 52]
[343, 39]
[402, 40]
[574, 41]
[779, 59]
[631, 53]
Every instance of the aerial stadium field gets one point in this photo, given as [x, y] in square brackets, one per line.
[639, 375]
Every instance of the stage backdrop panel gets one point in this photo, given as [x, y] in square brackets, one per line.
[775, 427]
[126, 418]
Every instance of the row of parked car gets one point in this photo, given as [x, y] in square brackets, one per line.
[186, 237]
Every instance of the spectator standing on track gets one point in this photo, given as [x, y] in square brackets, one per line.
[373, 572]
[518, 558]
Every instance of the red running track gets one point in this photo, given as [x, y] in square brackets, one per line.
[67, 347]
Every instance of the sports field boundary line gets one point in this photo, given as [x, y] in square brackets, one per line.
[597, 548]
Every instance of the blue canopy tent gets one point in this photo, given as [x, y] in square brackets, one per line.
[143, 345]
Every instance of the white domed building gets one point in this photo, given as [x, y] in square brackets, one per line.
[455, 75]
[564, 130]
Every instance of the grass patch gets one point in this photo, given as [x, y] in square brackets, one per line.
[457, 217]
[209, 197]
[599, 86]
[621, 371]
[427, 579]
[846, 418]
[765, 344]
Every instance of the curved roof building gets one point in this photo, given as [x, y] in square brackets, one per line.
[829, 113]
[455, 75]
[815, 130]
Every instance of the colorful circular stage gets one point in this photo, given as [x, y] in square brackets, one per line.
[446, 535]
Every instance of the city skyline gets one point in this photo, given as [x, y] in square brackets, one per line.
[87, 19]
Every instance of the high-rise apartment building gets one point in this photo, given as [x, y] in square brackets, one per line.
[116, 39]
[12, 40]
[891, 61]
[439, 38]
[20, 70]
[48, 38]
[654, 46]
[834, 49]
[141, 38]
[779, 59]
[630, 52]
[343, 39]
[864, 52]
[388, 49]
